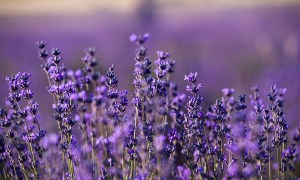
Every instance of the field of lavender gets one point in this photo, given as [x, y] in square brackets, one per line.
[159, 133]
[128, 111]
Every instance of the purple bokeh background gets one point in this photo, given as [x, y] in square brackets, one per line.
[228, 48]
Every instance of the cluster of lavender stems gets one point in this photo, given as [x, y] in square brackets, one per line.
[157, 132]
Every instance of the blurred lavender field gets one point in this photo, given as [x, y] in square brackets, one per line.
[230, 47]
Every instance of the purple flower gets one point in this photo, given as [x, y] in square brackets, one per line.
[159, 142]
[184, 173]
[191, 78]
[111, 79]
[139, 39]
[41, 44]
[228, 91]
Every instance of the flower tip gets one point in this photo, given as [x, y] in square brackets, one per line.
[40, 44]
[133, 37]
[146, 36]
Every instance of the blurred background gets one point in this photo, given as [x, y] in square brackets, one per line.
[230, 43]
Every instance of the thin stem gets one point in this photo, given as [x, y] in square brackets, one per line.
[48, 78]
[221, 163]
[132, 163]
[282, 173]
[207, 142]
[3, 171]
[70, 163]
[260, 168]
[93, 112]
[269, 163]
[277, 152]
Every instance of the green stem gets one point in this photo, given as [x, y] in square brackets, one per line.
[221, 164]
[260, 167]
[282, 173]
[132, 163]
[131, 169]
[70, 163]
[269, 163]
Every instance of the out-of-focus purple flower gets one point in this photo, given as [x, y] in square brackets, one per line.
[233, 169]
[139, 39]
[228, 91]
[159, 142]
[183, 173]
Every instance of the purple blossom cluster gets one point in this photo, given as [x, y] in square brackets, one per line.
[157, 132]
